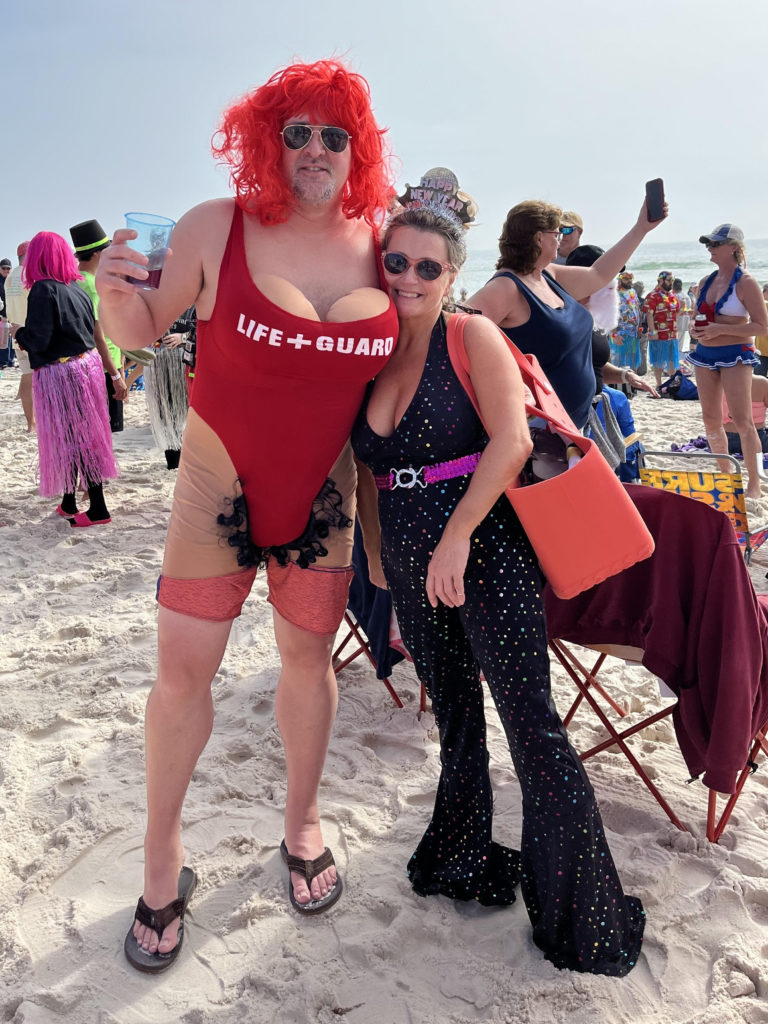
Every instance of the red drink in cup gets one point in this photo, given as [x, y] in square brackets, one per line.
[153, 238]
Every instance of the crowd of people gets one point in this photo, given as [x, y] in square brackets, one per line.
[318, 307]
[73, 380]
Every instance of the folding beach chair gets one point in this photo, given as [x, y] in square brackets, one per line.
[689, 614]
[723, 491]
[361, 646]
[589, 685]
[368, 620]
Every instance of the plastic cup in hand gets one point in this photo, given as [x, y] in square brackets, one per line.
[153, 237]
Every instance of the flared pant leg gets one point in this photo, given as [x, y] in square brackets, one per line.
[457, 856]
[581, 918]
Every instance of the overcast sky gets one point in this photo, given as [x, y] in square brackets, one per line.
[110, 105]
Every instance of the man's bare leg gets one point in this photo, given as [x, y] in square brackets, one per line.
[305, 706]
[179, 718]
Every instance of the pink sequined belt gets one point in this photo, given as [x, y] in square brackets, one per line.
[410, 477]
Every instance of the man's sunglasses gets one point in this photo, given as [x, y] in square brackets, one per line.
[297, 136]
[428, 270]
[568, 230]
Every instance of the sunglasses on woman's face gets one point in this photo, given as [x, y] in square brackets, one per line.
[297, 136]
[427, 269]
[714, 245]
[568, 230]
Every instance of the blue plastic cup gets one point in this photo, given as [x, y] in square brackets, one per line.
[153, 238]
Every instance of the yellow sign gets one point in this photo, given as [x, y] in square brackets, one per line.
[723, 491]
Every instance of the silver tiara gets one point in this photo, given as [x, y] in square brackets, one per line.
[439, 192]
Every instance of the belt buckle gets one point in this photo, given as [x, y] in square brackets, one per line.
[411, 477]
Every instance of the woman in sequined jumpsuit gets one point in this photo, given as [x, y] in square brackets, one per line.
[466, 591]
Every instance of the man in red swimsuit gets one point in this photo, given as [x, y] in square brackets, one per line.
[292, 323]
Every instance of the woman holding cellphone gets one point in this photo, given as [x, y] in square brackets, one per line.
[536, 301]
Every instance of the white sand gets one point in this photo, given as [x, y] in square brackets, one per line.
[77, 654]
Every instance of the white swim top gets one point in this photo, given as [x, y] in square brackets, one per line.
[733, 306]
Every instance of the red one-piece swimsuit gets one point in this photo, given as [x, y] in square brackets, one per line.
[281, 392]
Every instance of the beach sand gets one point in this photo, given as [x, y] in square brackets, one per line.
[77, 660]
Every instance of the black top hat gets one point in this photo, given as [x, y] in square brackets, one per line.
[88, 237]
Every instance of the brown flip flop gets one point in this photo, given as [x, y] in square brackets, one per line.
[310, 869]
[158, 920]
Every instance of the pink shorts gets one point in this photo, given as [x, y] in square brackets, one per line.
[312, 599]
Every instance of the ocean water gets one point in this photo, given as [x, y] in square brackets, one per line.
[686, 260]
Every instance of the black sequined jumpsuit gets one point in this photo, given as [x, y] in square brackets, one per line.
[581, 918]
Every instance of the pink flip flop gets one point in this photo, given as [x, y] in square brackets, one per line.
[81, 519]
[66, 515]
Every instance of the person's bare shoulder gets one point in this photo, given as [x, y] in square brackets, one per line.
[759, 389]
[482, 330]
[198, 243]
[496, 298]
[212, 215]
[747, 283]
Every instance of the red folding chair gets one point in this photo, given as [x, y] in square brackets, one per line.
[690, 614]
[588, 685]
[356, 633]
[341, 660]
[715, 825]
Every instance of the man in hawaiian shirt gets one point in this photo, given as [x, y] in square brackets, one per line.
[662, 307]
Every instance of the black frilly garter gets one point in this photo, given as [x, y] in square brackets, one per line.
[327, 514]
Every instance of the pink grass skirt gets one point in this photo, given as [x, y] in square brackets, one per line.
[74, 440]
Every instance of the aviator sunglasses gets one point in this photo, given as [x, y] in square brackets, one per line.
[427, 269]
[297, 136]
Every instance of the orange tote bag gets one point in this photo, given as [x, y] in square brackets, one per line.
[581, 523]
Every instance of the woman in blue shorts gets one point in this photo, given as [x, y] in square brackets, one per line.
[724, 354]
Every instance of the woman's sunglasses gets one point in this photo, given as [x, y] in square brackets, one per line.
[715, 245]
[428, 270]
[297, 136]
[568, 230]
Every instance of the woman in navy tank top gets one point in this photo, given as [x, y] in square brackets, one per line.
[535, 301]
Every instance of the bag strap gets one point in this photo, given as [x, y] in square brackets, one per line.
[530, 370]
[457, 353]
[541, 399]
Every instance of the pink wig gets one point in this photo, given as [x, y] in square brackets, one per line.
[49, 258]
[249, 140]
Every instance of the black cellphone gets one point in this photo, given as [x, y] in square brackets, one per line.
[654, 199]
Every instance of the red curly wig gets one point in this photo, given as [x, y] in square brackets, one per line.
[248, 139]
